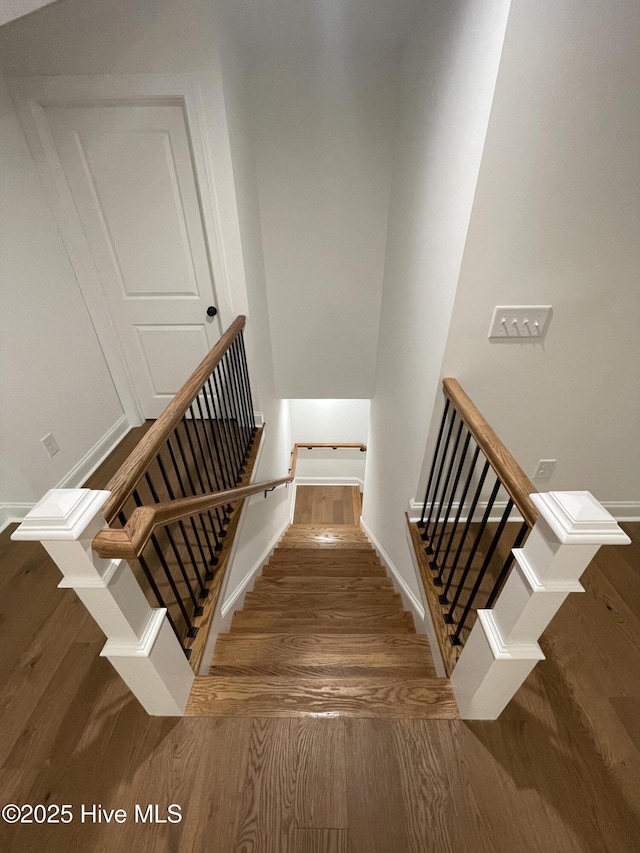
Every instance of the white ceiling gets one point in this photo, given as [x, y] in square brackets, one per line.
[266, 24]
[11, 9]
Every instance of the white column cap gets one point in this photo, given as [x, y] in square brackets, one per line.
[577, 518]
[62, 514]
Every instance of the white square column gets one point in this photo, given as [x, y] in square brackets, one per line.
[140, 641]
[502, 647]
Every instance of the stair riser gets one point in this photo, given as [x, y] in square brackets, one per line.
[317, 569]
[296, 583]
[318, 599]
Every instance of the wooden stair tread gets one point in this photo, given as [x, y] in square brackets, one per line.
[302, 583]
[330, 556]
[322, 652]
[330, 622]
[259, 696]
[319, 598]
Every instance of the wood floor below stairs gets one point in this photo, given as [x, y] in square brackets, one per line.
[322, 634]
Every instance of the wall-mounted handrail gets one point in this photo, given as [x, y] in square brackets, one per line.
[310, 445]
[129, 542]
[124, 481]
[510, 474]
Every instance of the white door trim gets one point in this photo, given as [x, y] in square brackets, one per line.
[31, 95]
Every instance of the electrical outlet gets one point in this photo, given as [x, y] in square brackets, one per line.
[520, 323]
[544, 469]
[50, 444]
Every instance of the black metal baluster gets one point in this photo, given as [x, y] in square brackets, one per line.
[149, 576]
[242, 436]
[226, 407]
[467, 525]
[246, 406]
[245, 370]
[455, 640]
[485, 518]
[214, 449]
[222, 426]
[433, 464]
[174, 548]
[225, 474]
[454, 454]
[426, 536]
[234, 422]
[246, 425]
[224, 519]
[185, 538]
[191, 631]
[504, 571]
[463, 497]
[194, 526]
[221, 532]
[202, 516]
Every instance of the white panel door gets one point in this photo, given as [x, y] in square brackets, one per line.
[130, 171]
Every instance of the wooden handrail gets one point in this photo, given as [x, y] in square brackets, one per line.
[511, 475]
[129, 542]
[308, 445]
[124, 481]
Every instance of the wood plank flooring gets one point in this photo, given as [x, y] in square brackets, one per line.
[558, 773]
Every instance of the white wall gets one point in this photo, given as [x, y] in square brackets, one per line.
[265, 517]
[323, 421]
[322, 122]
[53, 376]
[556, 220]
[449, 75]
[94, 37]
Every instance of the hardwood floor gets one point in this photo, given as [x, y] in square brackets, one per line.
[559, 772]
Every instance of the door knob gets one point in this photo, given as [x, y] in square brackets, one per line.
[212, 311]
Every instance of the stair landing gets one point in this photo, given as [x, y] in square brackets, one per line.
[322, 634]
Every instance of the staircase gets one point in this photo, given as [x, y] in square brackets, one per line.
[322, 633]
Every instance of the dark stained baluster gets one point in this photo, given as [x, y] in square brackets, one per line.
[472, 509]
[230, 407]
[461, 503]
[454, 455]
[194, 526]
[222, 426]
[237, 403]
[172, 542]
[191, 631]
[244, 400]
[245, 370]
[485, 518]
[202, 516]
[504, 571]
[455, 640]
[426, 535]
[183, 531]
[433, 465]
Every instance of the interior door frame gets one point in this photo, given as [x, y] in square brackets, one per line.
[31, 96]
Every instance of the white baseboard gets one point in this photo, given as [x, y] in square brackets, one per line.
[82, 470]
[248, 578]
[11, 513]
[620, 510]
[415, 603]
[623, 511]
[259, 418]
[330, 481]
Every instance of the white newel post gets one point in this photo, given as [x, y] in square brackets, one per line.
[141, 644]
[502, 647]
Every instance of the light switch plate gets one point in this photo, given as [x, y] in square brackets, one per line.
[519, 322]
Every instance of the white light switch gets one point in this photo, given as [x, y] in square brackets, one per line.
[519, 322]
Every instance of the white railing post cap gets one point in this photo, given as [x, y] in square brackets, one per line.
[62, 514]
[578, 518]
